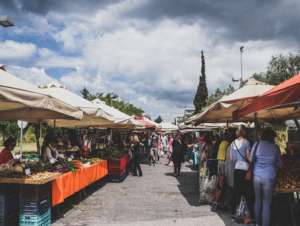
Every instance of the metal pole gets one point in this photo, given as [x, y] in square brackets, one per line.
[21, 140]
[40, 145]
[256, 132]
[97, 140]
[241, 49]
[227, 123]
[54, 126]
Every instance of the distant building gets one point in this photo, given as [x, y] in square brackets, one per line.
[188, 112]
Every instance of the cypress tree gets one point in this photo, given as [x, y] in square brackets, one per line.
[202, 92]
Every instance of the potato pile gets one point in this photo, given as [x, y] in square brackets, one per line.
[288, 177]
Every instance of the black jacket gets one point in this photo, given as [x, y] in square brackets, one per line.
[136, 148]
[177, 149]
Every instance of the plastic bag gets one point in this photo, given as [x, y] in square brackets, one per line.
[6, 168]
[203, 172]
[240, 211]
[211, 186]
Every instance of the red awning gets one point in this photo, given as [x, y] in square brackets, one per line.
[283, 96]
[147, 125]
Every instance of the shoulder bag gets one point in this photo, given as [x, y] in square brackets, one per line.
[249, 174]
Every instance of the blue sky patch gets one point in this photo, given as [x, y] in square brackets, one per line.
[57, 72]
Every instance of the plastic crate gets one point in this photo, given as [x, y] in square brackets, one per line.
[9, 189]
[127, 159]
[38, 220]
[10, 219]
[35, 208]
[117, 164]
[34, 193]
[116, 172]
[8, 204]
[116, 178]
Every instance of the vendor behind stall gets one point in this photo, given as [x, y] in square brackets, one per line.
[66, 142]
[50, 151]
[5, 154]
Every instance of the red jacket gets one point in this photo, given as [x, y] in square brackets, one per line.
[5, 156]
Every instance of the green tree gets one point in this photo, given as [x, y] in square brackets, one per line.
[202, 92]
[159, 119]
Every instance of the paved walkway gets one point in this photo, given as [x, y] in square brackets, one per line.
[156, 198]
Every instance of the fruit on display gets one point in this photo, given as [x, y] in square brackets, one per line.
[18, 168]
[288, 177]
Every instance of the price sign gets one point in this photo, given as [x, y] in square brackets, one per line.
[72, 156]
[52, 161]
[27, 171]
[69, 159]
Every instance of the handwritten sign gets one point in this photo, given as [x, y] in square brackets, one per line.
[27, 171]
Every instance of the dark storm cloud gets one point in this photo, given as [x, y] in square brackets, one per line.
[236, 20]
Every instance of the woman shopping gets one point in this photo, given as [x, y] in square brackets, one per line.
[266, 157]
[6, 155]
[240, 155]
[136, 156]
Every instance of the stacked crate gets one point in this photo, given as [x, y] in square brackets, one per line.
[35, 204]
[9, 203]
[117, 170]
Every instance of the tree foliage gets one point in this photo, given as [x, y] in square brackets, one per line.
[158, 119]
[111, 99]
[280, 68]
[214, 97]
[202, 92]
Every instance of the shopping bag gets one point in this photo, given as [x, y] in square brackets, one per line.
[211, 185]
[240, 211]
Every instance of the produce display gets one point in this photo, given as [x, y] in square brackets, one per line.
[288, 177]
[77, 164]
[39, 176]
[59, 167]
[93, 160]
[113, 154]
[71, 167]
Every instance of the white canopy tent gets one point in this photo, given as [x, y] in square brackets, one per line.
[23, 101]
[221, 111]
[168, 127]
[92, 115]
[158, 126]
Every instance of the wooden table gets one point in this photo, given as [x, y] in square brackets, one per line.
[16, 179]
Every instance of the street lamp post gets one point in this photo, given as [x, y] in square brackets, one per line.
[6, 21]
[241, 79]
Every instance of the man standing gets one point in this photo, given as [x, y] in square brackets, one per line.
[164, 143]
[154, 148]
[177, 154]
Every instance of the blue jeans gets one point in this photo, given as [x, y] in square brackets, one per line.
[263, 189]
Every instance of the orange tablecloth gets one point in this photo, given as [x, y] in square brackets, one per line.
[69, 183]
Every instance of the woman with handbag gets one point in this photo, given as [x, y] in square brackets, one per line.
[266, 157]
[240, 155]
[206, 150]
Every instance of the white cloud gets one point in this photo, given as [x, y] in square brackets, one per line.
[32, 75]
[16, 52]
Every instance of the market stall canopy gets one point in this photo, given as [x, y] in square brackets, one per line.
[158, 127]
[276, 105]
[168, 127]
[210, 126]
[24, 101]
[221, 111]
[146, 124]
[122, 120]
[91, 113]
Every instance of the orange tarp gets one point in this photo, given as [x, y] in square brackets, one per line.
[69, 183]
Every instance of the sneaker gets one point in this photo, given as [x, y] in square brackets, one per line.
[232, 217]
[154, 165]
[158, 162]
[150, 164]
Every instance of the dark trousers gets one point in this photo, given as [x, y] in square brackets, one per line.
[136, 159]
[177, 166]
[242, 187]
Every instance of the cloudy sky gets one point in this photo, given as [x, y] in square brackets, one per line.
[147, 51]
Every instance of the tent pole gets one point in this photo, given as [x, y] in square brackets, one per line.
[227, 124]
[97, 137]
[256, 126]
[104, 137]
[296, 123]
[40, 145]
[54, 126]
[21, 140]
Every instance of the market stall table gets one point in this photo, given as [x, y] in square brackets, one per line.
[69, 183]
[16, 179]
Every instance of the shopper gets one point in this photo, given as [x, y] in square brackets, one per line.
[177, 154]
[136, 156]
[5, 154]
[170, 150]
[267, 160]
[206, 150]
[240, 155]
[159, 149]
[222, 152]
[154, 148]
[216, 146]
[164, 143]
[229, 173]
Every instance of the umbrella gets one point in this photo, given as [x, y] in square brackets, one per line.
[91, 113]
[276, 105]
[168, 127]
[147, 124]
[122, 120]
[24, 101]
[221, 111]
